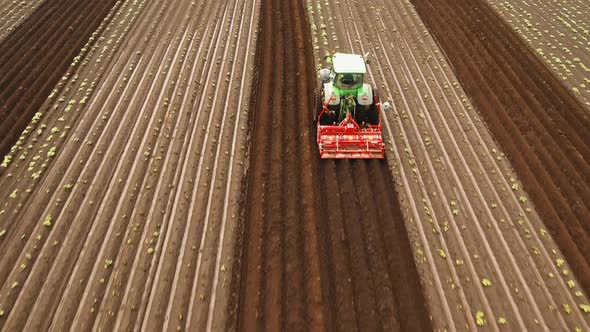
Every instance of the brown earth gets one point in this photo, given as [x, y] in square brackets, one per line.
[322, 244]
[325, 246]
[146, 176]
[558, 32]
[36, 55]
[539, 124]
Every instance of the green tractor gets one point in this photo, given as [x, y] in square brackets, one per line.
[348, 110]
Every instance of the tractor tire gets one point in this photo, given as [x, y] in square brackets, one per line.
[362, 115]
[373, 113]
[327, 119]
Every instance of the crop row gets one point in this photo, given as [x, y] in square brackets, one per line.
[559, 32]
[13, 13]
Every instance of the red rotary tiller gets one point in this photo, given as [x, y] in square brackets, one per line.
[348, 140]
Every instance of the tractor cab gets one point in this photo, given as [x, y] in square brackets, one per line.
[346, 74]
[349, 70]
[349, 110]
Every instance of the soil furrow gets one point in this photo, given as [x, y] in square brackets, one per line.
[337, 292]
[172, 180]
[250, 299]
[307, 227]
[272, 310]
[293, 242]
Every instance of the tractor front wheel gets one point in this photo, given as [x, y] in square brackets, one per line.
[319, 97]
[327, 118]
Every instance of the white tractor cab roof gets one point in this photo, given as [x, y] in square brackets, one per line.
[348, 63]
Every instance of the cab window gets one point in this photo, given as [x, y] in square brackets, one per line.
[349, 81]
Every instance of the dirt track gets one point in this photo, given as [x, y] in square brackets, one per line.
[325, 243]
[543, 129]
[37, 54]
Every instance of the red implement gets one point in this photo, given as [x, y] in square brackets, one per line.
[347, 140]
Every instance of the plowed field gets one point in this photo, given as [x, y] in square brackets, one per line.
[34, 57]
[558, 32]
[126, 181]
[325, 243]
[167, 176]
[543, 129]
[469, 219]
[13, 13]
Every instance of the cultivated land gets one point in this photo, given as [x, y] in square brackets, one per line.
[35, 57]
[559, 32]
[450, 173]
[540, 125]
[325, 246]
[13, 13]
[167, 176]
[121, 197]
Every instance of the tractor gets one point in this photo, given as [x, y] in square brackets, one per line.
[348, 111]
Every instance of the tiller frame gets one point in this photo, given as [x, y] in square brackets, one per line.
[347, 140]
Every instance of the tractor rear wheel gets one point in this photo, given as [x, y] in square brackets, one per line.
[362, 115]
[373, 113]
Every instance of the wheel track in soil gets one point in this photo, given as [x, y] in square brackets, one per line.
[539, 124]
[325, 246]
[49, 38]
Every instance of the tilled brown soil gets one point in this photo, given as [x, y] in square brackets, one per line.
[36, 55]
[325, 246]
[538, 123]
